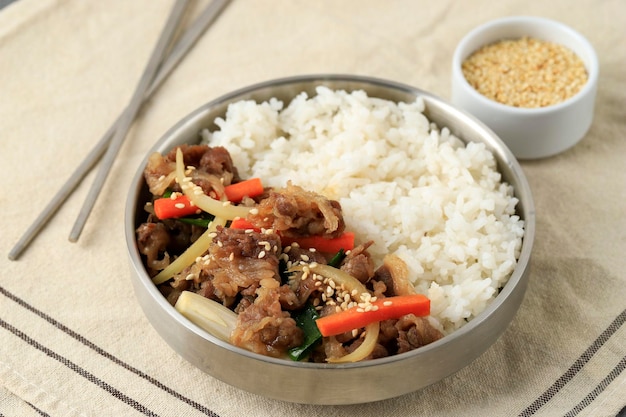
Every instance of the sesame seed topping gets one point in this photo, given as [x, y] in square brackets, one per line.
[261, 254]
[179, 205]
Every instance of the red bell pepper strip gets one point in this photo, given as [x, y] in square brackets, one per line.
[331, 245]
[345, 241]
[381, 309]
[166, 208]
[243, 224]
[247, 188]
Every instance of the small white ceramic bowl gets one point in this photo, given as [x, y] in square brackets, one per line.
[529, 133]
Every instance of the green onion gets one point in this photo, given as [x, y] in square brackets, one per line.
[336, 260]
[305, 320]
[200, 221]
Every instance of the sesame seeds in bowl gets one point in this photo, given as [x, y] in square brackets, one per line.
[531, 80]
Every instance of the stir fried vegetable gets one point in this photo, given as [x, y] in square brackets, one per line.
[247, 188]
[329, 245]
[336, 260]
[207, 314]
[191, 253]
[305, 319]
[223, 209]
[373, 311]
[351, 285]
[322, 244]
[180, 206]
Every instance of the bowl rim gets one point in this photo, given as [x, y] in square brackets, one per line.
[592, 67]
[523, 193]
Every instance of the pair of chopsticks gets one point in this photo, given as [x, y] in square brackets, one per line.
[157, 69]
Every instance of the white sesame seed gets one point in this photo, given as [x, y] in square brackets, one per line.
[254, 211]
[304, 257]
[179, 205]
[231, 256]
[387, 303]
[261, 254]
[190, 277]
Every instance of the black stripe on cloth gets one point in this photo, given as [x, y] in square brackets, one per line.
[106, 354]
[576, 367]
[80, 371]
[41, 413]
[598, 389]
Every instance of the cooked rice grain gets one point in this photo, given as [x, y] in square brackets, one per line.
[412, 187]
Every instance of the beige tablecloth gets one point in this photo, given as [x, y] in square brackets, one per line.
[73, 340]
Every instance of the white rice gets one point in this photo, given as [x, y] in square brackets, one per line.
[410, 186]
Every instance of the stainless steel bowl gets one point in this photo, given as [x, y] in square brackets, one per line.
[333, 383]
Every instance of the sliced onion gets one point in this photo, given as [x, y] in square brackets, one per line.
[189, 256]
[207, 314]
[350, 284]
[340, 277]
[365, 349]
[223, 209]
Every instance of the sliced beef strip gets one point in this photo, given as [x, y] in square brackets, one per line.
[214, 169]
[295, 212]
[264, 328]
[239, 261]
[359, 263]
[414, 332]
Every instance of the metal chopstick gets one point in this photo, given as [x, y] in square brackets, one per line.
[128, 117]
[187, 40]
